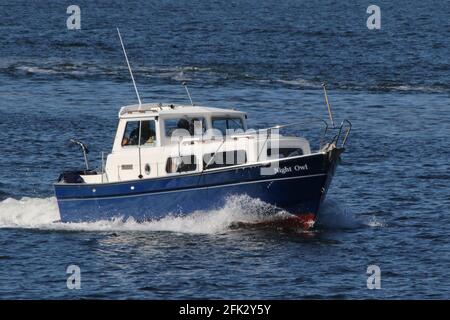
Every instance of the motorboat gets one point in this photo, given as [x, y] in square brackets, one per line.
[172, 159]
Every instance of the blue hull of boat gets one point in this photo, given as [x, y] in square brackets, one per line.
[299, 186]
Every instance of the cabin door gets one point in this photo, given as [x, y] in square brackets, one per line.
[138, 136]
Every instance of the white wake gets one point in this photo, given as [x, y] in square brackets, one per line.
[41, 213]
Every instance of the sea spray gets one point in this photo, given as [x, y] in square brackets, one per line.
[42, 213]
[28, 212]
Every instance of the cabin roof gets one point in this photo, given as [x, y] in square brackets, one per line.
[158, 109]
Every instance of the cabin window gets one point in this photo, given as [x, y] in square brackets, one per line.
[284, 152]
[145, 130]
[228, 125]
[181, 164]
[224, 159]
[185, 126]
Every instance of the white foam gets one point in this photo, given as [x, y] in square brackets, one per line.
[301, 83]
[41, 213]
[374, 222]
[28, 212]
[36, 70]
[406, 87]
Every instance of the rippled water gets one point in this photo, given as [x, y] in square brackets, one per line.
[388, 204]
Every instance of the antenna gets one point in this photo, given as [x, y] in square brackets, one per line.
[330, 113]
[129, 68]
[187, 91]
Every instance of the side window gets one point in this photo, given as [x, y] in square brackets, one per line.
[190, 126]
[285, 152]
[224, 124]
[143, 130]
[235, 124]
[220, 124]
[224, 159]
[181, 164]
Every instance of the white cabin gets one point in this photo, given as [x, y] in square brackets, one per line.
[158, 140]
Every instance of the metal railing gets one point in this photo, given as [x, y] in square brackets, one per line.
[345, 125]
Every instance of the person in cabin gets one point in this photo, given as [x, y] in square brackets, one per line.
[148, 135]
[183, 124]
[188, 125]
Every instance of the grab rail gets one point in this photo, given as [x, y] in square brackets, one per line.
[344, 124]
[348, 131]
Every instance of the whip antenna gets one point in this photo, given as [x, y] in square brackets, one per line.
[129, 68]
[187, 91]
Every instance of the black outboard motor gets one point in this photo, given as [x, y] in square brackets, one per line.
[74, 176]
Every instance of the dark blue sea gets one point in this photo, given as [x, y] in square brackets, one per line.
[388, 205]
